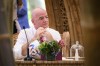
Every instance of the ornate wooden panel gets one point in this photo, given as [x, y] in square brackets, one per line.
[57, 15]
[73, 14]
[64, 15]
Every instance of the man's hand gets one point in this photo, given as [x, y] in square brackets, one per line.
[40, 31]
[48, 36]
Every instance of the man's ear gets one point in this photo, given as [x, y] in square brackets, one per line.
[33, 21]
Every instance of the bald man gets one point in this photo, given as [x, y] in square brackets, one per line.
[41, 28]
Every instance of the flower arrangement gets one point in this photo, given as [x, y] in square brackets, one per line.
[50, 48]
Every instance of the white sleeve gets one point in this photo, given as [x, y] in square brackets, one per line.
[55, 34]
[17, 49]
[35, 43]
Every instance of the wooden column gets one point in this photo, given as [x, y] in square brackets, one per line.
[91, 31]
[57, 15]
[49, 8]
[6, 55]
[73, 15]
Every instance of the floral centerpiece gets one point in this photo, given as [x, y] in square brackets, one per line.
[50, 48]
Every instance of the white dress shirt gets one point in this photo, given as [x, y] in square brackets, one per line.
[30, 33]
